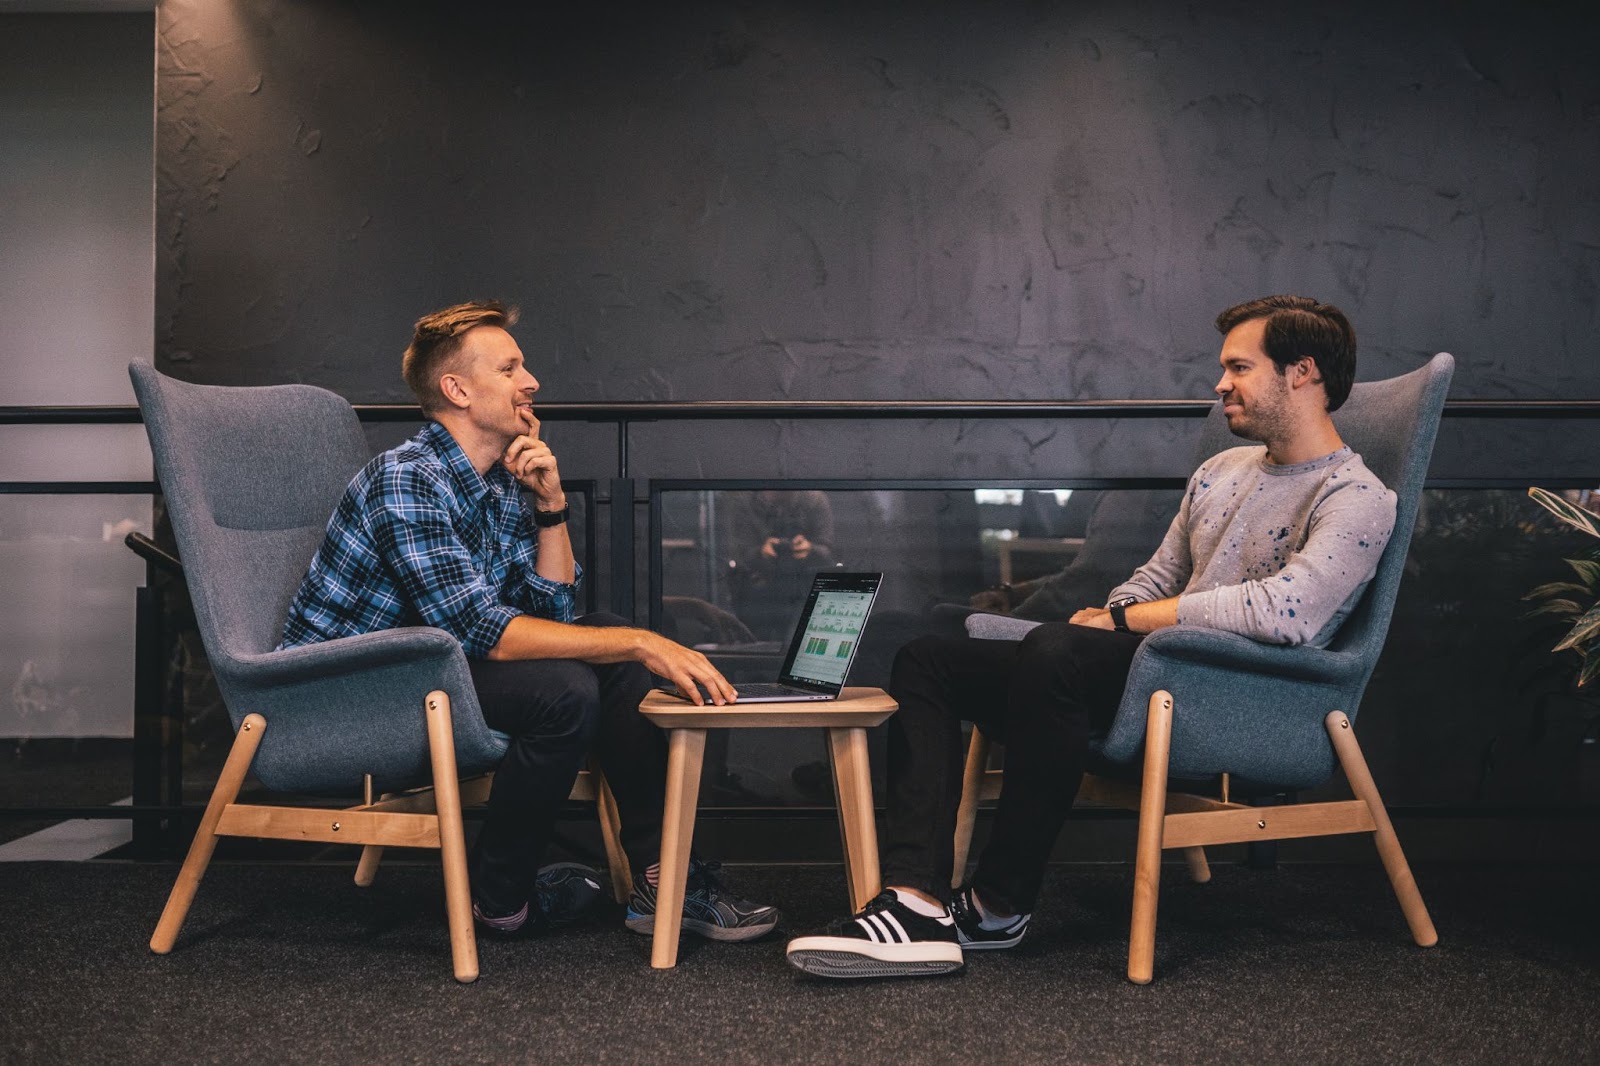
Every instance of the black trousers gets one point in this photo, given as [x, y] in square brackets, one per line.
[1042, 697]
[558, 711]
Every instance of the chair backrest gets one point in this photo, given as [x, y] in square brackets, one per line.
[250, 476]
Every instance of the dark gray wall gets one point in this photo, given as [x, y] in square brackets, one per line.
[917, 200]
[810, 200]
[816, 200]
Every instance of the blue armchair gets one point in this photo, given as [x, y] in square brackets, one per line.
[250, 476]
[1203, 706]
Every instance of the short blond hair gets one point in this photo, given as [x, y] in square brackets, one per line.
[438, 339]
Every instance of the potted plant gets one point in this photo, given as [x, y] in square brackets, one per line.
[1576, 600]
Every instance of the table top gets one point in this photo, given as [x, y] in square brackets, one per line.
[855, 707]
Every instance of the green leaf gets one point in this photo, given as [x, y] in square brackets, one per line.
[1585, 629]
[1554, 587]
[1588, 571]
[1573, 516]
[1564, 607]
[1591, 666]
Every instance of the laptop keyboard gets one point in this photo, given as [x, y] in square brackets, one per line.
[769, 688]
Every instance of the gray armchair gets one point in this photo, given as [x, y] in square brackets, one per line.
[250, 476]
[1204, 708]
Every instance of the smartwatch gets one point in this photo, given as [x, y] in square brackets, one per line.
[1119, 613]
[546, 519]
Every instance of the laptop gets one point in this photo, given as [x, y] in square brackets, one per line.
[824, 643]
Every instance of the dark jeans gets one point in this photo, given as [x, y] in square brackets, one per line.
[557, 712]
[1041, 697]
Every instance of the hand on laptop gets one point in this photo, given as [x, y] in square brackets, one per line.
[685, 667]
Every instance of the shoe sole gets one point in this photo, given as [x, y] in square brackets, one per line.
[826, 956]
[645, 925]
[992, 945]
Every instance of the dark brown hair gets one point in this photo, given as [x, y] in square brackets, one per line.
[438, 339]
[1299, 327]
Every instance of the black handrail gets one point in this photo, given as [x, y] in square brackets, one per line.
[154, 554]
[720, 410]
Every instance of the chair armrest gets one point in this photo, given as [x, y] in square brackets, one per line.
[412, 644]
[1217, 648]
[353, 706]
[153, 553]
[1239, 706]
[998, 627]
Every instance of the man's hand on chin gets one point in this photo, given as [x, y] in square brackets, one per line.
[531, 462]
[1094, 617]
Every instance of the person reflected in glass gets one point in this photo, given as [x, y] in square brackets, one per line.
[782, 538]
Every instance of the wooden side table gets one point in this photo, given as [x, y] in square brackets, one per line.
[846, 719]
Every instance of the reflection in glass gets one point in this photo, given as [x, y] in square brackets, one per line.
[1468, 705]
[66, 650]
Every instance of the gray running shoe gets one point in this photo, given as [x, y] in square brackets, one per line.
[708, 908]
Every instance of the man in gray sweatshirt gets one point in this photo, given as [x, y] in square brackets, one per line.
[1275, 541]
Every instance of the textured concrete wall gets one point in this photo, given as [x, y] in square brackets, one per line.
[879, 201]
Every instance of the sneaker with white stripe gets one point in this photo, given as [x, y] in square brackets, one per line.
[971, 930]
[887, 939]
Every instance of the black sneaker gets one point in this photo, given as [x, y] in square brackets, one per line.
[708, 908]
[562, 891]
[500, 924]
[887, 939]
[969, 928]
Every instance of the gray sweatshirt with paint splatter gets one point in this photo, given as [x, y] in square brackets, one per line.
[1280, 554]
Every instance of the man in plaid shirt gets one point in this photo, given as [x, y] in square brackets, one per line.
[436, 532]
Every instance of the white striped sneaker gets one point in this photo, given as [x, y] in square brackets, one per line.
[887, 939]
[969, 925]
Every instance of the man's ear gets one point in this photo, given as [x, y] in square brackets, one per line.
[454, 391]
[1304, 372]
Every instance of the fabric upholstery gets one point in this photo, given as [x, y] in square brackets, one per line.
[250, 477]
[1256, 710]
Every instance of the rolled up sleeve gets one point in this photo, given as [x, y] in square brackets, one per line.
[555, 600]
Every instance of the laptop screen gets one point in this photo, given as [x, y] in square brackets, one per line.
[829, 632]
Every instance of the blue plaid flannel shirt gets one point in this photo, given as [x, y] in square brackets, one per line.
[421, 538]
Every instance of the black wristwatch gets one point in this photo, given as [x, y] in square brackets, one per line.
[1119, 613]
[546, 519]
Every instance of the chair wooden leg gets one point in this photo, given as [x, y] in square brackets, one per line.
[967, 813]
[1152, 812]
[611, 835]
[367, 868]
[452, 837]
[852, 775]
[1199, 869]
[686, 750]
[1394, 859]
[231, 780]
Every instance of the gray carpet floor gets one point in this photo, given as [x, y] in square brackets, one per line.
[1305, 964]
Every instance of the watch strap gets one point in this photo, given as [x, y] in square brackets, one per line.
[546, 519]
[1119, 614]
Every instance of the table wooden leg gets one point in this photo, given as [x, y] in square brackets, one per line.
[686, 749]
[852, 782]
